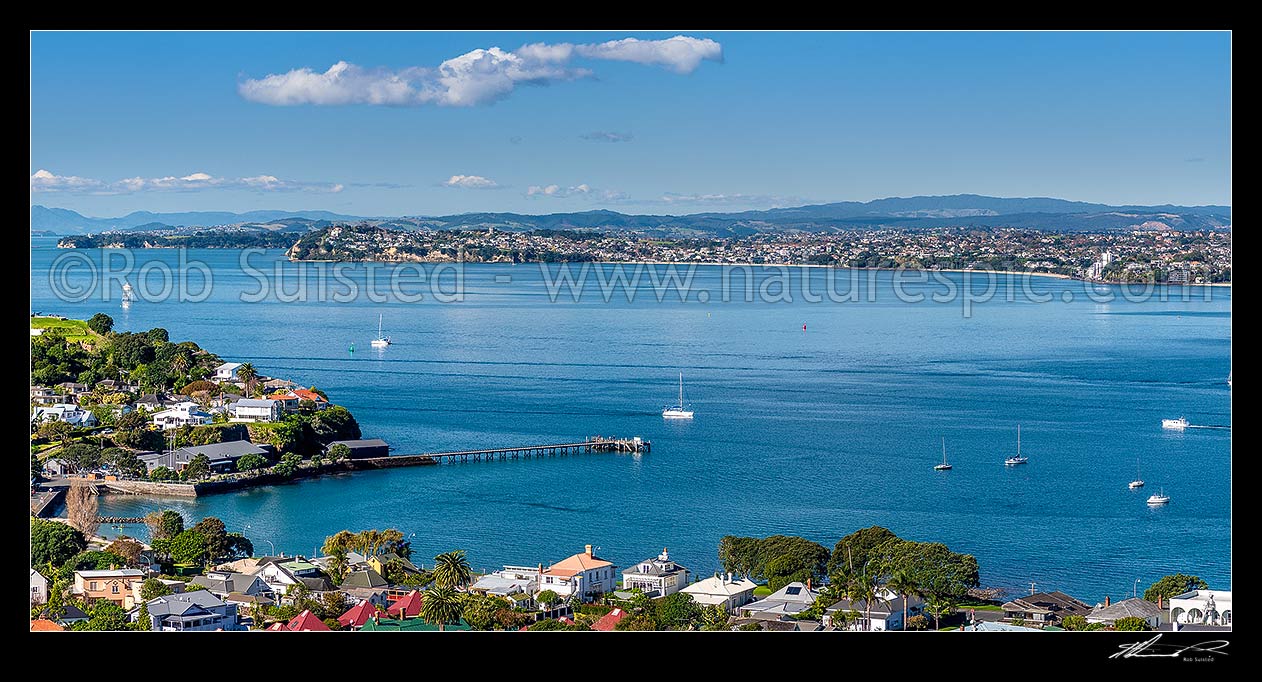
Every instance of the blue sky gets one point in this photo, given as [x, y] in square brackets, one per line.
[711, 121]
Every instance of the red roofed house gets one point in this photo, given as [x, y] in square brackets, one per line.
[358, 614]
[583, 574]
[308, 394]
[287, 401]
[303, 622]
[42, 625]
[409, 605]
[609, 620]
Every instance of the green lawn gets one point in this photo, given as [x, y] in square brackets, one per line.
[980, 607]
[76, 330]
[762, 591]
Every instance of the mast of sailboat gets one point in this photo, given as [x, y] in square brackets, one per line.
[1018, 440]
[681, 390]
[944, 449]
[379, 325]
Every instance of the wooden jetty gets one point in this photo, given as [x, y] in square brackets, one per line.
[119, 519]
[589, 446]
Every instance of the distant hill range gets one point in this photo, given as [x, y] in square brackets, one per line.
[960, 210]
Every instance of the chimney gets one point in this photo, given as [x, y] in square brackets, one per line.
[1106, 600]
[1160, 597]
[588, 549]
[113, 567]
[808, 584]
[729, 576]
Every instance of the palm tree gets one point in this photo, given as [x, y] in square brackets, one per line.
[904, 585]
[343, 540]
[938, 606]
[452, 570]
[863, 584]
[441, 605]
[249, 375]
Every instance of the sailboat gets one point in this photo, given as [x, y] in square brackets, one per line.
[1138, 482]
[678, 411]
[1017, 458]
[382, 340]
[1175, 424]
[1159, 499]
[943, 466]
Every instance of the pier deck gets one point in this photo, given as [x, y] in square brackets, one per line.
[586, 447]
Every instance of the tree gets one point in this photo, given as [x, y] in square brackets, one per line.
[508, 619]
[939, 606]
[479, 611]
[338, 565]
[144, 621]
[152, 588]
[452, 570]
[249, 375]
[54, 543]
[339, 452]
[1074, 622]
[164, 525]
[1131, 624]
[547, 598]
[163, 474]
[859, 547]
[82, 456]
[104, 614]
[198, 467]
[441, 606]
[214, 538]
[101, 323]
[1174, 585]
[334, 423]
[861, 583]
[251, 462]
[239, 546]
[677, 610]
[904, 585]
[714, 617]
[124, 462]
[81, 507]
[54, 431]
[917, 623]
[637, 622]
[188, 548]
[128, 549]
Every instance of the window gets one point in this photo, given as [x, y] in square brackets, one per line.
[92, 585]
[114, 588]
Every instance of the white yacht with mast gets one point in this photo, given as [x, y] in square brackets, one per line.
[382, 340]
[1017, 458]
[678, 411]
[1159, 499]
[1175, 424]
[943, 466]
[1138, 482]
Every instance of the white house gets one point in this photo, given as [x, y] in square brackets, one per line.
[583, 574]
[732, 593]
[39, 588]
[1202, 607]
[789, 600]
[227, 371]
[886, 612]
[1109, 613]
[281, 573]
[657, 576]
[198, 611]
[507, 582]
[183, 414]
[64, 412]
[255, 410]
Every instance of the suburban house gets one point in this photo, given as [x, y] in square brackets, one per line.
[281, 573]
[378, 562]
[176, 587]
[991, 626]
[1201, 607]
[731, 593]
[583, 574]
[189, 611]
[114, 585]
[254, 410]
[365, 578]
[227, 371]
[368, 447]
[358, 615]
[42, 395]
[223, 583]
[886, 613]
[1043, 609]
[303, 622]
[182, 414]
[222, 456]
[72, 388]
[288, 402]
[787, 601]
[407, 606]
[39, 588]
[64, 412]
[307, 394]
[657, 576]
[54, 466]
[609, 621]
[1108, 613]
[512, 580]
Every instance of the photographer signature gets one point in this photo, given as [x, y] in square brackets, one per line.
[1151, 649]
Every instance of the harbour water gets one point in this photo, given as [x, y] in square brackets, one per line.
[812, 419]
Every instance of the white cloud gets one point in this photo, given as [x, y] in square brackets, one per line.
[482, 76]
[471, 182]
[45, 181]
[607, 136]
[582, 190]
[681, 54]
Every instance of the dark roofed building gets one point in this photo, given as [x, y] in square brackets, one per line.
[1128, 608]
[1044, 608]
[224, 583]
[189, 611]
[222, 456]
[364, 578]
[368, 447]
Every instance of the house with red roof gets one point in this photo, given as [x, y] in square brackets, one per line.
[358, 614]
[308, 394]
[408, 605]
[608, 621]
[287, 401]
[44, 625]
[303, 622]
[584, 574]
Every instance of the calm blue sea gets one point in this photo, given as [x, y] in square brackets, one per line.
[813, 432]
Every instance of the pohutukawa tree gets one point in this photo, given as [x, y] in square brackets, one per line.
[81, 507]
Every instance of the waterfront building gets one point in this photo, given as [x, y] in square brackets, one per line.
[308, 394]
[1201, 607]
[281, 573]
[198, 611]
[731, 593]
[182, 414]
[223, 583]
[64, 412]
[512, 580]
[656, 576]
[1108, 613]
[222, 456]
[39, 588]
[361, 448]
[254, 410]
[886, 613]
[785, 602]
[227, 371]
[1043, 608]
[583, 574]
